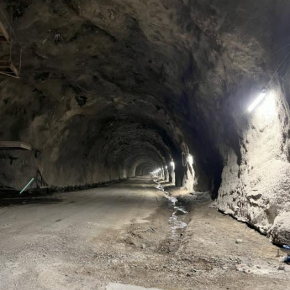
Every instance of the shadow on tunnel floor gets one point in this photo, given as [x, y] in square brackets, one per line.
[138, 183]
[4, 202]
[131, 186]
[12, 197]
[84, 198]
[136, 186]
[170, 186]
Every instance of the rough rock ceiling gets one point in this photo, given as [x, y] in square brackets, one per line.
[106, 83]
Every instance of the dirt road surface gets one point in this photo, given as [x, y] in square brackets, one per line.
[113, 237]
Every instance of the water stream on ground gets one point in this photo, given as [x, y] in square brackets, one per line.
[175, 220]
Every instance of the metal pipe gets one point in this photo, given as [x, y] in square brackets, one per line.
[27, 185]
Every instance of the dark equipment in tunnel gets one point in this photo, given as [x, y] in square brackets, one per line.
[8, 49]
[6, 145]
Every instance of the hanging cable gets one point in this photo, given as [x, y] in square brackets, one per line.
[279, 50]
[266, 87]
[277, 69]
[8, 23]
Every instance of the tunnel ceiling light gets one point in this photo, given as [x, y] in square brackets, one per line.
[166, 167]
[156, 171]
[257, 101]
[189, 159]
[172, 164]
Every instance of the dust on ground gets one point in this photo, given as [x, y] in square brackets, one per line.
[213, 252]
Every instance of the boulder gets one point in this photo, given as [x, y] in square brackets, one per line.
[280, 231]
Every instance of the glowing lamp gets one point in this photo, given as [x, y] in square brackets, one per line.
[189, 159]
[258, 100]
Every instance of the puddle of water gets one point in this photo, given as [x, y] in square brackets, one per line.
[117, 286]
[180, 210]
[175, 222]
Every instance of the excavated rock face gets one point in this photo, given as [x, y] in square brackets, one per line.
[106, 87]
[280, 231]
[110, 89]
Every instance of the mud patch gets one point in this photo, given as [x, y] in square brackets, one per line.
[149, 235]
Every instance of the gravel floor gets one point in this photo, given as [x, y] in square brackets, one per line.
[120, 234]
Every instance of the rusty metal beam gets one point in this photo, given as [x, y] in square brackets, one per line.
[12, 145]
[4, 33]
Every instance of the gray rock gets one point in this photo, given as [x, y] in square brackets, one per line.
[281, 268]
[280, 231]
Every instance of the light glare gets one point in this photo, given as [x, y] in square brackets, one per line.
[189, 159]
[259, 99]
[155, 172]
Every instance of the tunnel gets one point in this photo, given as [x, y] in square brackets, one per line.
[188, 98]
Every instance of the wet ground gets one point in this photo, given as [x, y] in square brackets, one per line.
[127, 236]
[178, 218]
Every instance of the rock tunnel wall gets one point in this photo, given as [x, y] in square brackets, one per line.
[256, 181]
[101, 91]
[255, 150]
[18, 167]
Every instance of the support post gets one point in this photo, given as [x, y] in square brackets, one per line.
[27, 185]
